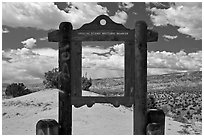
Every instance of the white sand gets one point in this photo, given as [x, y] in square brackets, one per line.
[21, 114]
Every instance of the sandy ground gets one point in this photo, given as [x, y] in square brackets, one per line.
[20, 115]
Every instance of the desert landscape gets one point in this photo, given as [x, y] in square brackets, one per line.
[178, 94]
[105, 48]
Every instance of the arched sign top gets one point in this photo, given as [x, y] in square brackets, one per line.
[102, 28]
[97, 24]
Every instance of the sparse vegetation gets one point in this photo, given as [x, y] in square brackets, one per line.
[178, 94]
[108, 86]
[86, 83]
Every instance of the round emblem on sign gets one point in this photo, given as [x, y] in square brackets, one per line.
[103, 22]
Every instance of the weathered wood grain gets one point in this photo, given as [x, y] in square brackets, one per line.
[140, 94]
[65, 106]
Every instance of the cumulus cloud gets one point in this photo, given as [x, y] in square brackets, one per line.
[186, 16]
[125, 5]
[170, 37]
[103, 62]
[49, 52]
[26, 66]
[46, 15]
[40, 15]
[111, 61]
[29, 65]
[175, 62]
[120, 17]
[29, 43]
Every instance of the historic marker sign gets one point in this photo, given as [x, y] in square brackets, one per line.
[70, 64]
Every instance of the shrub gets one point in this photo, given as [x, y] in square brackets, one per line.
[86, 83]
[51, 80]
[17, 90]
[151, 103]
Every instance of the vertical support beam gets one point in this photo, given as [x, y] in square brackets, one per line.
[65, 78]
[76, 60]
[129, 67]
[140, 95]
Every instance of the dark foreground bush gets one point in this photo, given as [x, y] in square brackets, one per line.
[86, 83]
[51, 80]
[17, 90]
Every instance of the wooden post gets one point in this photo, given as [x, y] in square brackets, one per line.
[65, 106]
[63, 37]
[140, 95]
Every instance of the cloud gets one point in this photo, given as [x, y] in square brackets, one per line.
[180, 61]
[29, 43]
[170, 37]
[44, 38]
[120, 17]
[26, 14]
[81, 13]
[125, 5]
[29, 65]
[85, 12]
[47, 16]
[111, 61]
[5, 30]
[186, 16]
[159, 5]
[49, 52]
[26, 66]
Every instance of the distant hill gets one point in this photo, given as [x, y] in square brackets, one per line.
[195, 76]
[179, 95]
[177, 82]
[35, 86]
[108, 86]
[188, 80]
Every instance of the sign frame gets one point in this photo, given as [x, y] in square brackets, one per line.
[102, 28]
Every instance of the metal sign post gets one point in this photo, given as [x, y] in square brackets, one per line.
[102, 28]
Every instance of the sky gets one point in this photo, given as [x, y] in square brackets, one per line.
[27, 54]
